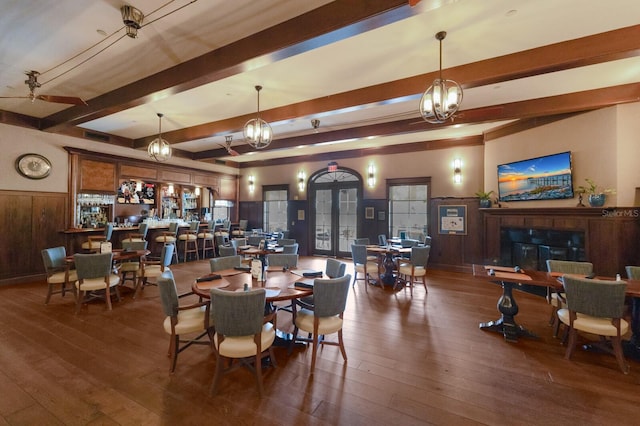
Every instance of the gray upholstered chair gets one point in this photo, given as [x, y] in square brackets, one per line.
[169, 237]
[153, 268]
[595, 307]
[222, 263]
[556, 299]
[382, 240]
[58, 271]
[238, 242]
[130, 267]
[362, 265]
[333, 269]
[254, 240]
[633, 272]
[189, 240]
[284, 260]
[206, 235]
[94, 277]
[330, 301]
[141, 235]
[285, 241]
[225, 251]
[242, 332]
[242, 228]
[290, 249]
[361, 241]
[415, 267]
[191, 319]
[93, 241]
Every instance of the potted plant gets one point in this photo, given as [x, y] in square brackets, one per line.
[485, 198]
[597, 195]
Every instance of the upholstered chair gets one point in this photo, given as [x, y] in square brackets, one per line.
[93, 241]
[362, 265]
[129, 268]
[58, 272]
[225, 251]
[556, 299]
[153, 268]
[168, 237]
[241, 230]
[189, 240]
[284, 260]
[206, 236]
[408, 270]
[95, 278]
[290, 249]
[227, 262]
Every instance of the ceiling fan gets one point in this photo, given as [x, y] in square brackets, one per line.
[227, 146]
[33, 84]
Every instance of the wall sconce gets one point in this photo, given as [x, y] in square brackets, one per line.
[301, 178]
[457, 171]
[197, 191]
[371, 176]
[252, 183]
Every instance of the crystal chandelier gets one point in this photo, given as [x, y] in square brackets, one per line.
[159, 149]
[257, 132]
[442, 99]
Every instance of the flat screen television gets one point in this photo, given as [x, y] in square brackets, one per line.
[540, 178]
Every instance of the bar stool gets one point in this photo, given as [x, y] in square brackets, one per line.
[169, 237]
[207, 237]
[93, 241]
[190, 239]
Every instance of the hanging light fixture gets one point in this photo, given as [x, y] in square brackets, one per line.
[159, 149]
[257, 132]
[442, 99]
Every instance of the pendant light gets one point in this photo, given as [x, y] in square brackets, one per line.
[257, 132]
[159, 149]
[442, 99]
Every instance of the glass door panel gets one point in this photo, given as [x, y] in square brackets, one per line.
[347, 219]
[323, 219]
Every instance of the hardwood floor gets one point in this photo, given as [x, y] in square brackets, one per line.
[411, 361]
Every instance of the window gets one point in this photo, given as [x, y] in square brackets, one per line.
[275, 209]
[221, 210]
[408, 208]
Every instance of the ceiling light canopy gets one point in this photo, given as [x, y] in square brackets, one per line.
[442, 99]
[132, 19]
[159, 149]
[257, 132]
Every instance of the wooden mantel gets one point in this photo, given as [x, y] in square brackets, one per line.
[611, 234]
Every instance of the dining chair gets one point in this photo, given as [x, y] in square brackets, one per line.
[222, 263]
[415, 267]
[238, 242]
[556, 298]
[206, 235]
[362, 265]
[192, 319]
[254, 240]
[130, 267]
[382, 240]
[58, 272]
[95, 278]
[153, 268]
[596, 307]
[333, 269]
[284, 260]
[290, 249]
[225, 251]
[242, 228]
[326, 316]
[361, 241]
[285, 241]
[242, 333]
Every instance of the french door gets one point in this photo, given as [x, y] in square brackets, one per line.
[335, 205]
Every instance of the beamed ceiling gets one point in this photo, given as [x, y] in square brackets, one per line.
[359, 67]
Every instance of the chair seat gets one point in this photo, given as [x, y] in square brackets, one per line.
[205, 235]
[165, 239]
[59, 277]
[589, 324]
[90, 284]
[326, 325]
[371, 267]
[244, 346]
[189, 321]
[556, 302]
[418, 271]
[91, 245]
[188, 237]
[129, 266]
[151, 271]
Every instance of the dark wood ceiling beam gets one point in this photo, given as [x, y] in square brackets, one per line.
[302, 33]
[589, 50]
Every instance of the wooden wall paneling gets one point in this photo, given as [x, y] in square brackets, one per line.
[136, 171]
[48, 222]
[602, 246]
[540, 222]
[205, 180]
[298, 229]
[569, 223]
[252, 211]
[456, 252]
[97, 176]
[491, 237]
[228, 188]
[172, 176]
[371, 228]
[16, 254]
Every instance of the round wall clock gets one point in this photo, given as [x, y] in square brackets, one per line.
[33, 166]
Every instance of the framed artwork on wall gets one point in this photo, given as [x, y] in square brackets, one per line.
[368, 213]
[452, 220]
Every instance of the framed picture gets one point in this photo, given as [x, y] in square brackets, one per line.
[368, 213]
[300, 214]
[452, 220]
[381, 215]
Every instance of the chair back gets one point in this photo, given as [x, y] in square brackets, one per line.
[290, 249]
[335, 268]
[242, 225]
[238, 242]
[286, 241]
[254, 240]
[406, 243]
[222, 263]
[237, 313]
[173, 228]
[134, 245]
[420, 255]
[225, 251]
[108, 230]
[382, 240]
[221, 240]
[143, 228]
[597, 298]
[330, 295]
[168, 294]
[167, 254]
[359, 254]
[194, 225]
[361, 241]
[427, 240]
[281, 259]
[53, 258]
[569, 267]
[93, 265]
[633, 272]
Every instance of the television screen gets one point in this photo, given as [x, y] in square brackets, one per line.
[541, 178]
[132, 192]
